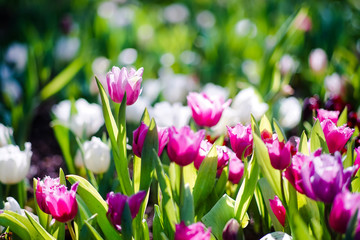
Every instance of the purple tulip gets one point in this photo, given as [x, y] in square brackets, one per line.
[139, 136]
[116, 202]
[54, 198]
[357, 159]
[323, 177]
[206, 110]
[222, 155]
[194, 231]
[241, 140]
[236, 168]
[325, 114]
[183, 146]
[279, 153]
[278, 209]
[121, 81]
[344, 207]
[336, 137]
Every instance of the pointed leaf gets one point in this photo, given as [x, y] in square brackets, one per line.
[187, 211]
[38, 227]
[303, 145]
[343, 117]
[265, 124]
[15, 225]
[279, 131]
[317, 139]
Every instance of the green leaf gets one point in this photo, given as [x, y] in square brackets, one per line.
[205, 180]
[303, 145]
[63, 78]
[317, 139]
[157, 223]
[219, 215]
[349, 160]
[246, 190]
[62, 177]
[145, 230]
[265, 125]
[299, 230]
[96, 204]
[92, 230]
[343, 117]
[126, 223]
[221, 182]
[262, 157]
[187, 211]
[279, 131]
[38, 227]
[254, 127]
[57, 230]
[136, 173]
[15, 225]
[145, 117]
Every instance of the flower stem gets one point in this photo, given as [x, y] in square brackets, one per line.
[181, 190]
[282, 189]
[71, 230]
[48, 223]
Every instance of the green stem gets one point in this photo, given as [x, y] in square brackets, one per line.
[71, 230]
[182, 186]
[282, 189]
[7, 190]
[48, 223]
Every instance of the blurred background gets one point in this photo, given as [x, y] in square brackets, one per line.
[305, 51]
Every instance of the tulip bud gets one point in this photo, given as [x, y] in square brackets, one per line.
[278, 209]
[195, 231]
[54, 198]
[336, 137]
[206, 110]
[116, 202]
[96, 155]
[344, 207]
[14, 164]
[232, 231]
[279, 153]
[241, 140]
[121, 80]
[325, 114]
[184, 144]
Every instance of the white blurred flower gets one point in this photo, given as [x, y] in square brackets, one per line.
[249, 67]
[205, 19]
[100, 65]
[14, 164]
[287, 64]
[106, 9]
[167, 59]
[127, 56]
[247, 102]
[134, 112]
[189, 57]
[215, 90]
[334, 84]
[230, 117]
[66, 48]
[245, 27]
[176, 13]
[96, 156]
[17, 54]
[151, 89]
[318, 60]
[289, 112]
[145, 32]
[5, 135]
[12, 89]
[167, 114]
[122, 17]
[88, 119]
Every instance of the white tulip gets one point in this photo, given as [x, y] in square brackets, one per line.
[88, 119]
[96, 155]
[229, 117]
[5, 135]
[334, 84]
[289, 112]
[166, 114]
[14, 164]
[318, 60]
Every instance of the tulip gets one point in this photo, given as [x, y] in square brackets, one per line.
[344, 207]
[167, 115]
[325, 114]
[279, 153]
[318, 60]
[293, 172]
[289, 112]
[323, 177]
[139, 136]
[195, 231]
[14, 164]
[241, 140]
[54, 198]
[184, 144]
[96, 155]
[236, 168]
[206, 110]
[121, 80]
[357, 159]
[278, 209]
[336, 137]
[232, 230]
[116, 202]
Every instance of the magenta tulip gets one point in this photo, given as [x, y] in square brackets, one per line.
[241, 140]
[278, 209]
[325, 114]
[344, 207]
[183, 146]
[116, 202]
[194, 231]
[206, 110]
[293, 172]
[357, 159]
[336, 137]
[323, 177]
[236, 168]
[121, 80]
[279, 153]
[139, 136]
[54, 198]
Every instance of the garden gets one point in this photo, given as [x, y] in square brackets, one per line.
[185, 120]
